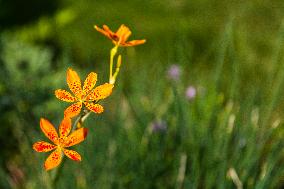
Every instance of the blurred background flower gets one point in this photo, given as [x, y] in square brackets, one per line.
[174, 72]
[159, 126]
[190, 92]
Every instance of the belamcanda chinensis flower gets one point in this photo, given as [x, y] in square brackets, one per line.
[61, 142]
[87, 96]
[119, 37]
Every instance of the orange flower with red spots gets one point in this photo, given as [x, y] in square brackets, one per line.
[119, 38]
[60, 141]
[87, 96]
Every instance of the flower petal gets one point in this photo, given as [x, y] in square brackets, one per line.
[123, 33]
[74, 82]
[65, 127]
[73, 110]
[64, 95]
[42, 146]
[49, 130]
[90, 82]
[53, 160]
[133, 43]
[76, 137]
[97, 108]
[100, 92]
[105, 31]
[106, 28]
[72, 155]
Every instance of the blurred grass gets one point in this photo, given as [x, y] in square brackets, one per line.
[230, 51]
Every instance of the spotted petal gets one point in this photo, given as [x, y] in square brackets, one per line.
[42, 146]
[73, 110]
[90, 82]
[65, 127]
[100, 92]
[64, 96]
[53, 160]
[74, 82]
[72, 155]
[49, 130]
[76, 137]
[97, 108]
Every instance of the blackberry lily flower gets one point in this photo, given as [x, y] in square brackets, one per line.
[120, 37]
[61, 142]
[86, 96]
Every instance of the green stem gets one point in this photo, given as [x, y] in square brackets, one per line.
[226, 38]
[118, 64]
[80, 120]
[113, 52]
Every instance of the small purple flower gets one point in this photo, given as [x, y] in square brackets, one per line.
[190, 92]
[159, 126]
[174, 72]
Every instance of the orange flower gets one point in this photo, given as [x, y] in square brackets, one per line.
[85, 96]
[120, 36]
[60, 142]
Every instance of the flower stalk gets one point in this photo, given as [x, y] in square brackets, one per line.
[113, 52]
[80, 120]
[84, 98]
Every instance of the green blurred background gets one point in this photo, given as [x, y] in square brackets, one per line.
[199, 105]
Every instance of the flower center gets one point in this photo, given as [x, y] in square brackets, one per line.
[62, 141]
